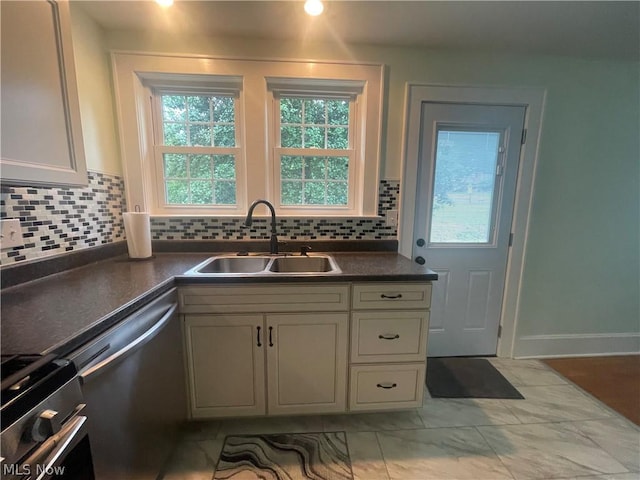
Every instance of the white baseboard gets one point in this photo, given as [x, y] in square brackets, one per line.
[591, 344]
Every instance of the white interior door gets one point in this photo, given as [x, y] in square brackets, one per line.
[468, 168]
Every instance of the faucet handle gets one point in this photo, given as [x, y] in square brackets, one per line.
[304, 249]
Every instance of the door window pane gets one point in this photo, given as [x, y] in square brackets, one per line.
[464, 184]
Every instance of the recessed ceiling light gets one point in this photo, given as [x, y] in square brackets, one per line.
[313, 7]
[164, 3]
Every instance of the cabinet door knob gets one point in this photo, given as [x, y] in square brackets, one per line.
[420, 260]
[258, 337]
[387, 386]
[388, 336]
[271, 336]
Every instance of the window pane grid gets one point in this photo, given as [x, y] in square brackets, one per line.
[314, 151]
[198, 120]
[314, 180]
[196, 179]
[314, 123]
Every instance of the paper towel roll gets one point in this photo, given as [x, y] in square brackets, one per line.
[137, 228]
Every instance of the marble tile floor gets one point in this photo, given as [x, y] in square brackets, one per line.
[557, 432]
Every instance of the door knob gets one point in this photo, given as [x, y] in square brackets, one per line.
[420, 242]
[420, 260]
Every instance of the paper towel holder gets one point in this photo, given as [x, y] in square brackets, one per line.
[133, 222]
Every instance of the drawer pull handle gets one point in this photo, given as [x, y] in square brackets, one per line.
[271, 336]
[258, 337]
[389, 336]
[391, 297]
[387, 386]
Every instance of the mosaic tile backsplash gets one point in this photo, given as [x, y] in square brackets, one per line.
[61, 219]
[232, 228]
[56, 220]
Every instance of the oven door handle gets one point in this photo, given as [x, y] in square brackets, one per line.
[54, 450]
[94, 370]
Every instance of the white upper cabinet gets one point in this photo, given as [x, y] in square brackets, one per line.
[41, 131]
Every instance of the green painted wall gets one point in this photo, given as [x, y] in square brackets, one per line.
[582, 265]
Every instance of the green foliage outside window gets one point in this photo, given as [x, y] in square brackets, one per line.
[314, 123]
[198, 120]
[464, 183]
[314, 180]
[200, 179]
[465, 162]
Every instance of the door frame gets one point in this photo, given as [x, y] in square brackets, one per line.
[533, 99]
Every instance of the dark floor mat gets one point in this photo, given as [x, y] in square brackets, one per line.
[285, 456]
[455, 377]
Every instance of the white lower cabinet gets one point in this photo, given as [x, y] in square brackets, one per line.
[389, 336]
[386, 387]
[307, 363]
[270, 362]
[389, 326]
[226, 365]
[287, 349]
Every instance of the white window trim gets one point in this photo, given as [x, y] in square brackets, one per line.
[135, 72]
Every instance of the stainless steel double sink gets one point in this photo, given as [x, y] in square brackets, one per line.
[266, 265]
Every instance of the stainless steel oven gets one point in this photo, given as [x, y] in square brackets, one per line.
[44, 424]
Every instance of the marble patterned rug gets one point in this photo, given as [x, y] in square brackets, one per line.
[285, 456]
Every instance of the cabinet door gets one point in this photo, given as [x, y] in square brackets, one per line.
[307, 362]
[41, 129]
[225, 358]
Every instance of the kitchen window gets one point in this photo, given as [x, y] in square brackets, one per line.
[314, 152]
[315, 146]
[196, 149]
[206, 136]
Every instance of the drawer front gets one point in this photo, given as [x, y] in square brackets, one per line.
[386, 386]
[264, 298]
[386, 296]
[389, 336]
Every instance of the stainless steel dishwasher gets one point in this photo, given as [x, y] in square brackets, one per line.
[133, 383]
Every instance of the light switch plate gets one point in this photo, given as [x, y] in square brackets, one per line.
[391, 219]
[11, 233]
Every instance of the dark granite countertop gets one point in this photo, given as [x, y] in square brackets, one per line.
[61, 312]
